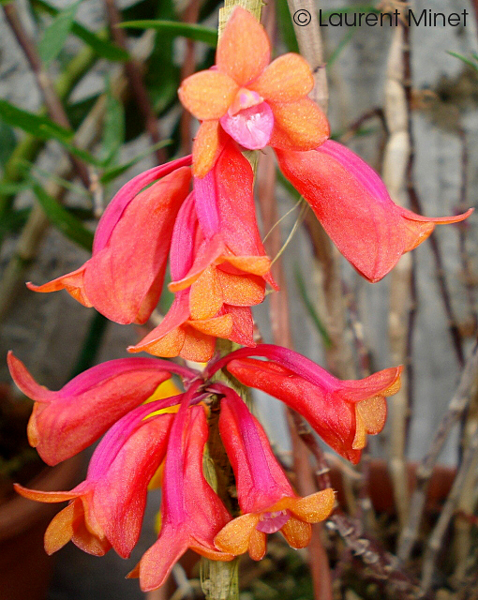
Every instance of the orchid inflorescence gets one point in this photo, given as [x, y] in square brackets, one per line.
[219, 269]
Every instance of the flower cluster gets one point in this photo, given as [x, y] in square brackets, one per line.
[144, 433]
[198, 214]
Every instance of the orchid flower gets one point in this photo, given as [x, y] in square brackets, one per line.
[191, 512]
[67, 421]
[341, 412]
[219, 267]
[265, 496]
[106, 510]
[259, 105]
[355, 209]
[124, 277]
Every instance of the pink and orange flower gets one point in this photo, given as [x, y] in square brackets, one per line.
[259, 105]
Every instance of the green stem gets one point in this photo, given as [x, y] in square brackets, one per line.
[220, 580]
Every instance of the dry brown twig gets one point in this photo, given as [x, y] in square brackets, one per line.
[458, 404]
[396, 159]
[435, 542]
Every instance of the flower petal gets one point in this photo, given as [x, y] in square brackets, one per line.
[198, 346]
[119, 498]
[205, 297]
[328, 404]
[251, 127]
[287, 79]
[234, 537]
[168, 337]
[126, 194]
[260, 480]
[313, 508]
[71, 419]
[206, 147]
[217, 327]
[257, 545]
[124, 280]
[243, 325]
[240, 290]
[73, 283]
[355, 209]
[192, 514]
[299, 126]
[243, 51]
[208, 94]
[297, 533]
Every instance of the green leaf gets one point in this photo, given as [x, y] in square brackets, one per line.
[114, 172]
[199, 33]
[14, 188]
[63, 220]
[113, 128]
[311, 309]
[40, 127]
[97, 42]
[8, 141]
[471, 63]
[56, 33]
[102, 47]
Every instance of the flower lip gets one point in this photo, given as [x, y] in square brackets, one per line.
[270, 522]
[250, 127]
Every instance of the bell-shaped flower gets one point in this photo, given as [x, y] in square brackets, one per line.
[255, 103]
[106, 510]
[341, 412]
[191, 512]
[355, 209]
[218, 265]
[265, 496]
[67, 421]
[124, 277]
[228, 262]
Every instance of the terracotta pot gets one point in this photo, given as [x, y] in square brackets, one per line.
[380, 486]
[25, 568]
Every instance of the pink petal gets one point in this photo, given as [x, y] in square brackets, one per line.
[191, 513]
[124, 279]
[260, 480]
[272, 522]
[67, 421]
[183, 240]
[251, 127]
[126, 194]
[206, 204]
[355, 209]
[119, 498]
